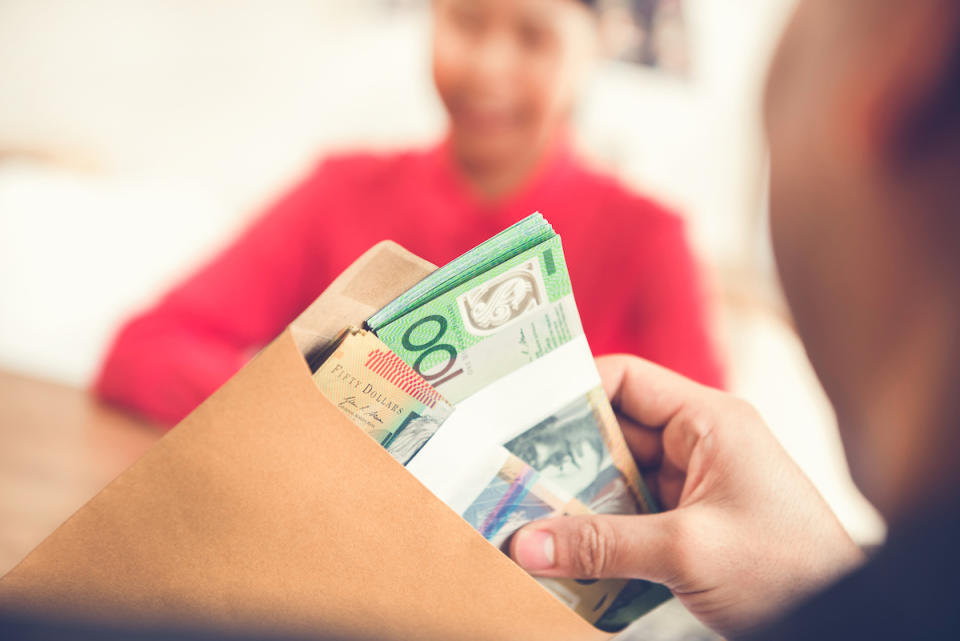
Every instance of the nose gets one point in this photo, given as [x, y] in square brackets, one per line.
[494, 58]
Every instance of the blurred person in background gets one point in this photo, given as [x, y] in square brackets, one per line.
[863, 117]
[508, 73]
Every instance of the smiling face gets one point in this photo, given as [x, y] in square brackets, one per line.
[507, 72]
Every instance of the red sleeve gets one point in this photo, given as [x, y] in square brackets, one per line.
[167, 360]
[669, 311]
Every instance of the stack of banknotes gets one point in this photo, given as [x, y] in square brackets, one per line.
[480, 381]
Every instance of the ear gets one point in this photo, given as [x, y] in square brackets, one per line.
[916, 48]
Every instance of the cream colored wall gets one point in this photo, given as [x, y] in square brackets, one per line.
[137, 136]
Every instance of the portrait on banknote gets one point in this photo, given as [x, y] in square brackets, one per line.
[568, 451]
[492, 304]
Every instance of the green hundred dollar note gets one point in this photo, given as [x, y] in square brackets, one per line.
[380, 393]
[487, 326]
[517, 238]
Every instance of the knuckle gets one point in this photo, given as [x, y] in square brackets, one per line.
[697, 423]
[730, 415]
[746, 420]
[594, 548]
[745, 410]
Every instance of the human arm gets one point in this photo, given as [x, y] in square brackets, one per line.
[168, 359]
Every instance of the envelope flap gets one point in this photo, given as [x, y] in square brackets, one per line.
[373, 280]
[267, 507]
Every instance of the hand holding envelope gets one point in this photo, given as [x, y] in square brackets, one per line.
[268, 506]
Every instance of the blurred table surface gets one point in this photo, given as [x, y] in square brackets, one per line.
[58, 447]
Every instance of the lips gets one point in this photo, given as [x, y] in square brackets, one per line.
[486, 116]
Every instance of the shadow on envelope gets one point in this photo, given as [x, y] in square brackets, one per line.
[267, 510]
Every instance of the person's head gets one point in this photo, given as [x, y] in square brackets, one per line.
[863, 116]
[508, 72]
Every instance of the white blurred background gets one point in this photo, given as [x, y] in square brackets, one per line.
[136, 136]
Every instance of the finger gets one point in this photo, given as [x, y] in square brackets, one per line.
[600, 546]
[669, 482]
[645, 444]
[649, 394]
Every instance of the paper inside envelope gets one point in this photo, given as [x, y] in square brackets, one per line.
[266, 509]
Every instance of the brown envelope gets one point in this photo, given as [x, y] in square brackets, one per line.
[266, 509]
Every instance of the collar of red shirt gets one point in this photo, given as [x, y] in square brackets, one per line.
[552, 168]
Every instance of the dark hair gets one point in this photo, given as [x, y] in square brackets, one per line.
[947, 105]
[941, 114]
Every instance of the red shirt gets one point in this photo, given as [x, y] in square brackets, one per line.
[632, 273]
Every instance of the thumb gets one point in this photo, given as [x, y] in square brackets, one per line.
[600, 546]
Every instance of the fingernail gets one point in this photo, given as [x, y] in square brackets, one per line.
[535, 550]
